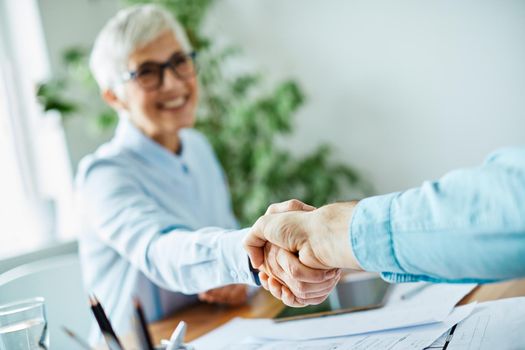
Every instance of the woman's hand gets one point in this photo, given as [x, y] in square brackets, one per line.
[235, 294]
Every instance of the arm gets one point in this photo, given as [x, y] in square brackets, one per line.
[162, 245]
[159, 243]
[468, 226]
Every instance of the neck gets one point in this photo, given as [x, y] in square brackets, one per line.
[171, 142]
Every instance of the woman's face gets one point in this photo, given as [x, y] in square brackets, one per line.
[161, 112]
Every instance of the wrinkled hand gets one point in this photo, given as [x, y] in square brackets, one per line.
[295, 284]
[319, 237]
[314, 239]
[286, 277]
[234, 294]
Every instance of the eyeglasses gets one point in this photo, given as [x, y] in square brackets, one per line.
[150, 75]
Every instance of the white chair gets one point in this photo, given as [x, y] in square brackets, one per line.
[59, 281]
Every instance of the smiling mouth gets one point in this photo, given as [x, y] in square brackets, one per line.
[174, 104]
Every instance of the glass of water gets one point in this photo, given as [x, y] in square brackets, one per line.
[23, 325]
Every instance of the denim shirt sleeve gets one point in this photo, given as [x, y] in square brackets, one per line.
[469, 226]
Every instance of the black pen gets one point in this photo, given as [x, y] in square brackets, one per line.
[141, 328]
[104, 324]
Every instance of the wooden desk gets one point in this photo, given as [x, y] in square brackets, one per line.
[202, 318]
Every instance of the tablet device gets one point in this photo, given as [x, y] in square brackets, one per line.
[355, 292]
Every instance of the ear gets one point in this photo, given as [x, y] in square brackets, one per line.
[113, 100]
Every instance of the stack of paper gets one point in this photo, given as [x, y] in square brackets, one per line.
[402, 324]
[415, 338]
[493, 325]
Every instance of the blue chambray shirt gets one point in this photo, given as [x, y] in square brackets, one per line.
[156, 224]
[467, 227]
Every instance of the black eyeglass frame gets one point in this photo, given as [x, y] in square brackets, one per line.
[132, 75]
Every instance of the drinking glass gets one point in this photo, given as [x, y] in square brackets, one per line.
[23, 325]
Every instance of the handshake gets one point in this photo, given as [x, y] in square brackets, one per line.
[300, 250]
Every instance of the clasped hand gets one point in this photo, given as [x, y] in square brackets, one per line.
[299, 250]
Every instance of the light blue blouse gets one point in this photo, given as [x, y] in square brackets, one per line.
[155, 224]
[467, 227]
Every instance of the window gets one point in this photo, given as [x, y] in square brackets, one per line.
[35, 175]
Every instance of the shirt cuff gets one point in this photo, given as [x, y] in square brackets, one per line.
[371, 235]
[234, 259]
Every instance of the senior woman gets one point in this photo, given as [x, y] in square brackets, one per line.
[154, 200]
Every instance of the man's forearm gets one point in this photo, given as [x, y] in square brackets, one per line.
[467, 226]
[329, 235]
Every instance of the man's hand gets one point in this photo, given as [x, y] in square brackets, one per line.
[235, 294]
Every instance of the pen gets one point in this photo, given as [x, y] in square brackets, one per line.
[415, 291]
[141, 329]
[104, 324]
[82, 343]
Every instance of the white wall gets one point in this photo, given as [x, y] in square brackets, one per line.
[405, 89]
[71, 23]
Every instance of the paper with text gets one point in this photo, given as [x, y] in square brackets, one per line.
[493, 325]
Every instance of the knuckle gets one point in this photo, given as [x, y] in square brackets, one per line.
[302, 302]
[301, 291]
[258, 225]
[292, 301]
[294, 204]
[272, 207]
[319, 276]
[301, 287]
[321, 299]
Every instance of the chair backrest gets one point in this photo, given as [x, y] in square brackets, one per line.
[59, 281]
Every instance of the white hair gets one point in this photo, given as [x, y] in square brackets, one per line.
[129, 29]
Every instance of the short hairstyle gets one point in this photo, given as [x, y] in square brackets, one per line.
[128, 30]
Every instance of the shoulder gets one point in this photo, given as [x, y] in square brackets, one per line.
[107, 164]
[513, 157]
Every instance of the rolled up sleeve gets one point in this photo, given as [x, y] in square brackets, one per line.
[469, 226]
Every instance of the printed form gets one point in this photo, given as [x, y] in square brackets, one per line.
[493, 325]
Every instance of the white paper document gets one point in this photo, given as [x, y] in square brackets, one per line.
[413, 294]
[426, 308]
[431, 305]
[411, 338]
[493, 325]
[355, 322]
